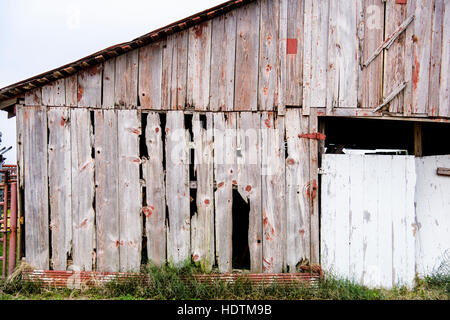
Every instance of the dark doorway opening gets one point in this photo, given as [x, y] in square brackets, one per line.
[241, 211]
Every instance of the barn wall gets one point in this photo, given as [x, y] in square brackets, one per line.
[118, 185]
[347, 58]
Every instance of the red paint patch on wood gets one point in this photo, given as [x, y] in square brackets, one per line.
[84, 223]
[290, 161]
[234, 182]
[267, 123]
[156, 130]
[221, 184]
[195, 257]
[148, 211]
[315, 135]
[248, 188]
[80, 93]
[401, 1]
[416, 71]
[292, 46]
[302, 232]
[207, 202]
[268, 68]
[63, 122]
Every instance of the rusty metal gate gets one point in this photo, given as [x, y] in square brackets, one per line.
[8, 219]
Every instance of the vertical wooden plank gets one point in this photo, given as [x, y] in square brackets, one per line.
[109, 76]
[371, 274]
[294, 58]
[155, 212]
[53, 94]
[342, 217]
[224, 172]
[269, 62]
[444, 93]
[199, 65]
[126, 80]
[394, 58]
[398, 222]
[410, 220]
[422, 55]
[130, 197]
[33, 97]
[343, 64]
[20, 131]
[297, 180]
[107, 218]
[282, 49]
[174, 74]
[203, 243]
[36, 187]
[408, 61]
[249, 181]
[59, 179]
[356, 216]
[313, 187]
[273, 192]
[328, 214]
[436, 56]
[247, 48]
[82, 189]
[150, 74]
[385, 220]
[90, 87]
[315, 54]
[177, 189]
[71, 90]
[432, 223]
[372, 93]
[222, 60]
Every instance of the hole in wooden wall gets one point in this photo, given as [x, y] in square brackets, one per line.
[241, 211]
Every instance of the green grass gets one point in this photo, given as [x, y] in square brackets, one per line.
[166, 284]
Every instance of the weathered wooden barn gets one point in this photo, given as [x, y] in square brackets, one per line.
[219, 139]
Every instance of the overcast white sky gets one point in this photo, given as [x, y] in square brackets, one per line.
[37, 36]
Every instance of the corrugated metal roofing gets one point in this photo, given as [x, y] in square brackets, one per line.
[21, 87]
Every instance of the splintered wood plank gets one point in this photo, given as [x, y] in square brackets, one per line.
[222, 60]
[313, 191]
[71, 84]
[150, 74]
[199, 65]
[130, 197]
[247, 48]
[203, 242]
[53, 94]
[282, 49]
[83, 189]
[269, 60]
[297, 181]
[109, 76]
[90, 87]
[177, 189]
[294, 54]
[153, 171]
[372, 90]
[315, 55]
[444, 93]
[60, 191]
[174, 74]
[394, 58]
[36, 187]
[107, 187]
[422, 55]
[343, 55]
[273, 192]
[126, 80]
[249, 181]
[225, 172]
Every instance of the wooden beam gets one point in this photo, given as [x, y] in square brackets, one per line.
[443, 172]
[418, 146]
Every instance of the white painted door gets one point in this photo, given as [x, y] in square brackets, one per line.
[367, 218]
[433, 216]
